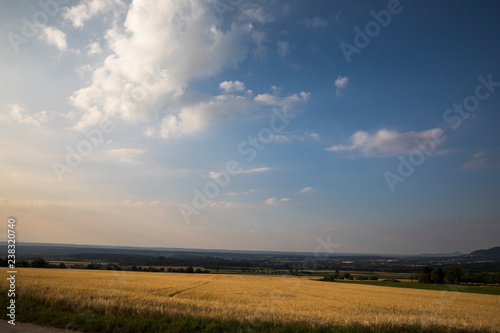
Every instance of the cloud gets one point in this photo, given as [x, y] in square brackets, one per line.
[315, 22]
[283, 48]
[260, 39]
[282, 101]
[225, 204]
[306, 190]
[242, 193]
[54, 37]
[256, 170]
[480, 161]
[88, 9]
[215, 174]
[256, 13]
[387, 142]
[254, 231]
[274, 201]
[230, 86]
[341, 83]
[314, 136]
[94, 48]
[195, 118]
[156, 53]
[293, 137]
[126, 155]
[18, 114]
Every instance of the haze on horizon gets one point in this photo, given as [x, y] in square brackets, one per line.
[366, 127]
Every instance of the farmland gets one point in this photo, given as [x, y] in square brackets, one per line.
[248, 300]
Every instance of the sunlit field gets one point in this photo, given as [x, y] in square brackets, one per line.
[250, 299]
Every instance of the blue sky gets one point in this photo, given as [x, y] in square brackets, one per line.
[373, 151]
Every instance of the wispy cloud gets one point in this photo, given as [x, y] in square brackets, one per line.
[315, 22]
[18, 114]
[243, 193]
[126, 155]
[306, 190]
[93, 49]
[256, 13]
[480, 161]
[283, 48]
[256, 170]
[88, 9]
[274, 201]
[387, 142]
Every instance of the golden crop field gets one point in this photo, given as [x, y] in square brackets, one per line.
[252, 298]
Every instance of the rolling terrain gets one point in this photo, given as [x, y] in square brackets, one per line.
[60, 297]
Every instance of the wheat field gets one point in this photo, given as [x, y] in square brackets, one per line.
[249, 298]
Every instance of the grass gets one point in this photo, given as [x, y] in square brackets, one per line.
[486, 290]
[112, 301]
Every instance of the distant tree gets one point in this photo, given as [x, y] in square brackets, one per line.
[22, 263]
[483, 278]
[39, 263]
[453, 275]
[330, 277]
[347, 276]
[198, 271]
[412, 278]
[189, 270]
[61, 265]
[425, 277]
[437, 276]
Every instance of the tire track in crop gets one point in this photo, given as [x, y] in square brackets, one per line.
[200, 285]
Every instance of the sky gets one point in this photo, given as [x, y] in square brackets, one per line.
[327, 126]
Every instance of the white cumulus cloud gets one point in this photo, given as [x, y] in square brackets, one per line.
[159, 49]
[54, 37]
[231, 86]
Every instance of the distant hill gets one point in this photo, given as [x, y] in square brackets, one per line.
[489, 254]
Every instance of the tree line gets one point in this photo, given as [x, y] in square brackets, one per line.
[454, 275]
[42, 263]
